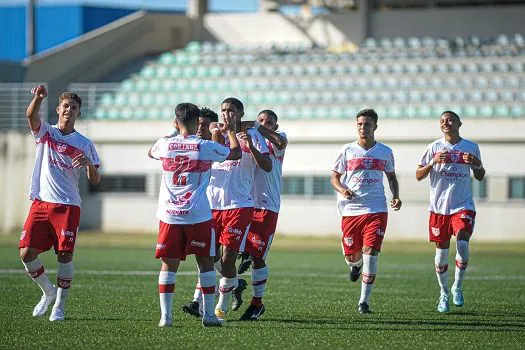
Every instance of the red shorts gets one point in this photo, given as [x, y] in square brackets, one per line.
[366, 229]
[442, 227]
[232, 226]
[261, 233]
[50, 225]
[178, 241]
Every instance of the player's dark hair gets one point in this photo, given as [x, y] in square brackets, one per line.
[238, 104]
[452, 114]
[367, 113]
[270, 113]
[70, 96]
[208, 113]
[187, 112]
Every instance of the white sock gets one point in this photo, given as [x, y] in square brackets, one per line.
[462, 256]
[166, 290]
[259, 277]
[357, 263]
[226, 286]
[368, 277]
[64, 278]
[441, 265]
[197, 294]
[36, 271]
[207, 281]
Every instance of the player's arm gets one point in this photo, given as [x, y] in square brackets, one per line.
[335, 180]
[278, 140]
[423, 170]
[263, 160]
[40, 93]
[92, 173]
[395, 203]
[216, 133]
[475, 165]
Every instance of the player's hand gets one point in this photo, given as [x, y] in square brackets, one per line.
[246, 124]
[471, 159]
[229, 122]
[81, 161]
[440, 157]
[39, 91]
[395, 204]
[348, 194]
[245, 137]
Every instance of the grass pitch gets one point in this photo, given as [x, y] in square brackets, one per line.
[309, 301]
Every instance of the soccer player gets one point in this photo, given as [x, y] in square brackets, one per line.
[62, 154]
[184, 212]
[267, 196]
[449, 160]
[231, 201]
[358, 179]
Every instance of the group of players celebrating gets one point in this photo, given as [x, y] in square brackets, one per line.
[219, 200]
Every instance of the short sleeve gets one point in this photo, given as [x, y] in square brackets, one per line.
[92, 154]
[427, 156]
[214, 151]
[390, 166]
[155, 150]
[340, 162]
[279, 152]
[44, 128]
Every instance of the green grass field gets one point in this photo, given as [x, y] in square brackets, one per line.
[309, 301]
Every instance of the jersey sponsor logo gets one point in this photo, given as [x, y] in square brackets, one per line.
[348, 241]
[55, 163]
[435, 231]
[366, 163]
[227, 165]
[22, 235]
[160, 246]
[453, 174]
[198, 244]
[177, 212]
[234, 230]
[366, 180]
[183, 146]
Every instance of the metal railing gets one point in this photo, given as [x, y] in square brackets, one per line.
[14, 99]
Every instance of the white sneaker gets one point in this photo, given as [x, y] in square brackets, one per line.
[165, 321]
[41, 308]
[56, 314]
[443, 305]
[212, 321]
[457, 296]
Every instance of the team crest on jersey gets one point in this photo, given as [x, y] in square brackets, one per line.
[368, 163]
[61, 147]
[348, 241]
[435, 231]
[454, 157]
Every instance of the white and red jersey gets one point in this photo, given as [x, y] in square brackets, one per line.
[362, 172]
[232, 181]
[266, 190]
[450, 186]
[186, 169]
[54, 178]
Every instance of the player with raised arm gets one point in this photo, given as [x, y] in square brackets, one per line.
[185, 219]
[62, 154]
[231, 201]
[267, 196]
[449, 160]
[357, 176]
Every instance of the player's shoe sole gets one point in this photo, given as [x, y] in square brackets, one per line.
[42, 306]
[363, 308]
[192, 308]
[443, 304]
[457, 297]
[253, 313]
[56, 315]
[237, 295]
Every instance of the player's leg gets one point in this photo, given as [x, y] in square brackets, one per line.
[35, 238]
[65, 273]
[228, 282]
[439, 233]
[259, 279]
[207, 277]
[351, 244]
[463, 224]
[373, 234]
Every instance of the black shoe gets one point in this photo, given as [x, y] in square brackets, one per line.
[355, 272]
[192, 308]
[363, 308]
[252, 313]
[246, 261]
[237, 294]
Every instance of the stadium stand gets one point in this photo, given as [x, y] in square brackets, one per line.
[412, 77]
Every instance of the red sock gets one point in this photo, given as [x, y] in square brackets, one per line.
[257, 301]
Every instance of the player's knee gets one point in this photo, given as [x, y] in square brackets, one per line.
[28, 254]
[64, 257]
[258, 263]
[370, 251]
[463, 236]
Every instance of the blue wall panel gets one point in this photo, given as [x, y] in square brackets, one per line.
[12, 33]
[95, 17]
[56, 24]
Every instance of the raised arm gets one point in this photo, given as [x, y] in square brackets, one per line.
[40, 93]
[394, 188]
[263, 160]
[235, 148]
[278, 140]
